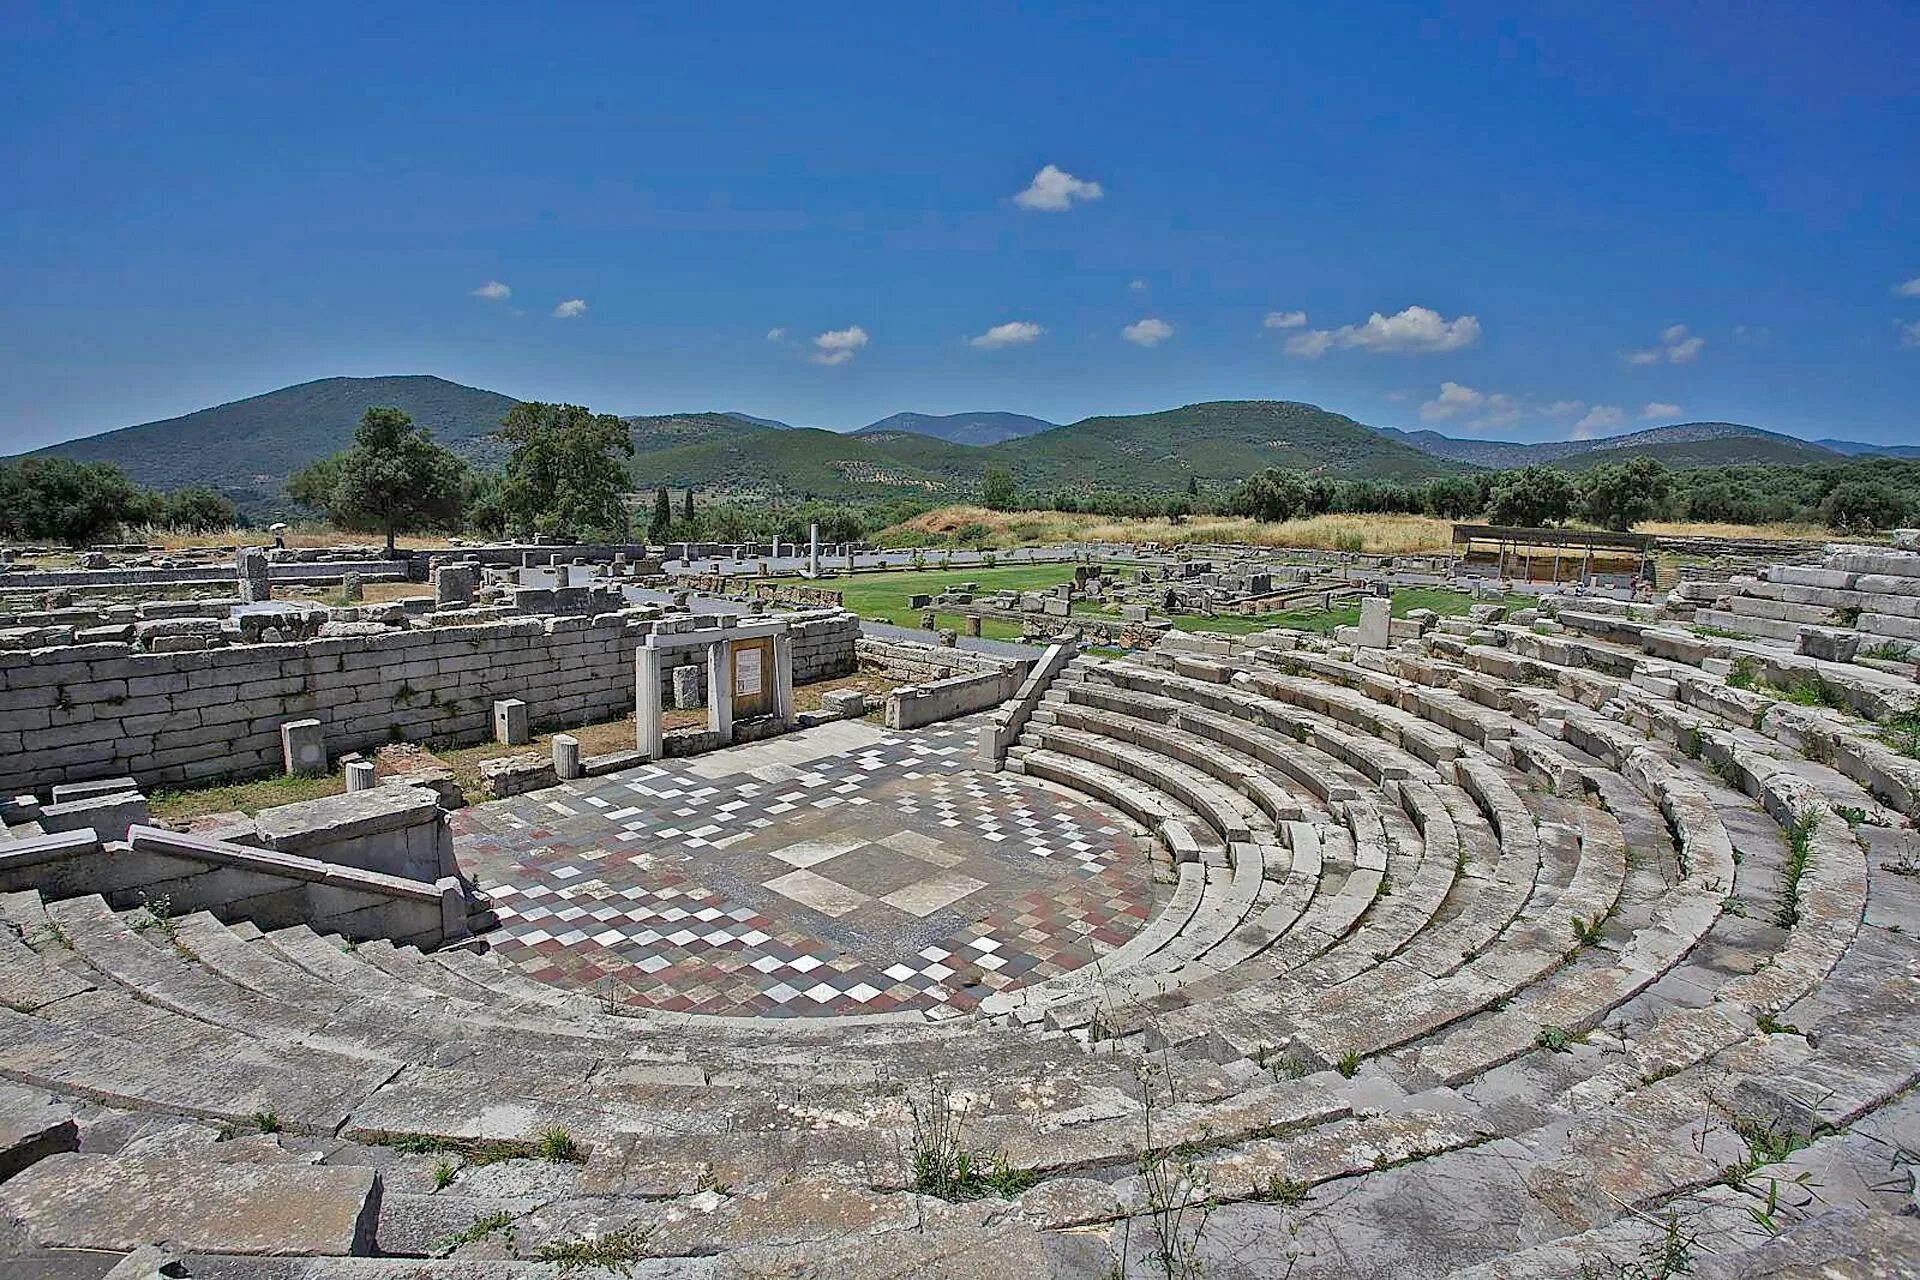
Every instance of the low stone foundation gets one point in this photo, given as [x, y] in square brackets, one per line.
[165, 719]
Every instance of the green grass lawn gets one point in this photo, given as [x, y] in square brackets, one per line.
[1443, 602]
[883, 596]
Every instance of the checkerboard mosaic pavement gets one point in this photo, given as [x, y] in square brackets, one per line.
[888, 877]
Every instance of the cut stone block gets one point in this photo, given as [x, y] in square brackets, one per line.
[120, 1202]
[360, 776]
[689, 688]
[250, 564]
[303, 748]
[510, 725]
[848, 703]
[1376, 618]
[32, 1127]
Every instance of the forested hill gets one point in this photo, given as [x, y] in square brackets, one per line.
[249, 447]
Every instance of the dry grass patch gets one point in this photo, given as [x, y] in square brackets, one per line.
[1381, 534]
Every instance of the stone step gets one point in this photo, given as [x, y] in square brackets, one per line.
[204, 1204]
[33, 1126]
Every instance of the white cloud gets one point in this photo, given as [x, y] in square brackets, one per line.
[1602, 417]
[1284, 320]
[1911, 289]
[1147, 333]
[1413, 331]
[1138, 286]
[837, 346]
[1310, 345]
[1910, 334]
[776, 334]
[570, 308]
[1656, 410]
[1479, 410]
[493, 291]
[1013, 333]
[1564, 408]
[1677, 346]
[1453, 399]
[1053, 190]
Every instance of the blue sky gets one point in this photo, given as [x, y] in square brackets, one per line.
[1568, 218]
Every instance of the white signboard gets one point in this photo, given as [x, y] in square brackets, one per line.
[746, 672]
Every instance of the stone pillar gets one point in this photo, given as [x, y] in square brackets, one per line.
[646, 701]
[453, 586]
[783, 677]
[689, 689]
[360, 775]
[250, 564]
[849, 557]
[1376, 613]
[566, 757]
[973, 624]
[302, 748]
[352, 589]
[510, 722]
[813, 550]
[720, 689]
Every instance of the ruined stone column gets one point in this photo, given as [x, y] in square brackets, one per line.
[250, 563]
[813, 550]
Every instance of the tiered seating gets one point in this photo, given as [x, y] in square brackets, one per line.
[1489, 953]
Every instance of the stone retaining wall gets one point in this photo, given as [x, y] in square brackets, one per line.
[166, 719]
[273, 890]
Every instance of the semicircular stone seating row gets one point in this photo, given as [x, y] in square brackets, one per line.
[1548, 897]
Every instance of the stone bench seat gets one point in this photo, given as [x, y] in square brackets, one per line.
[264, 969]
[1230, 815]
[1163, 727]
[1244, 723]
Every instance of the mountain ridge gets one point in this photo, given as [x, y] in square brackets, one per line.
[977, 428]
[247, 447]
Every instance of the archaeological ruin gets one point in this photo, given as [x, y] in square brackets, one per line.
[616, 910]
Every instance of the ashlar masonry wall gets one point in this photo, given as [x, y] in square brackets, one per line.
[84, 711]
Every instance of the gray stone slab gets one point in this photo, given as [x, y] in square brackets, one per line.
[120, 1202]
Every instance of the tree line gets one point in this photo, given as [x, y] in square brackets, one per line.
[566, 473]
[1859, 497]
[61, 500]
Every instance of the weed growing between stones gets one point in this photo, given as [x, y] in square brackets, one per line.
[614, 1251]
[266, 1122]
[1745, 674]
[484, 1151]
[943, 1165]
[1555, 1039]
[1670, 1255]
[1902, 733]
[556, 1146]
[1588, 933]
[443, 1175]
[479, 1229]
[1348, 1065]
[1179, 1199]
[1800, 843]
[1889, 651]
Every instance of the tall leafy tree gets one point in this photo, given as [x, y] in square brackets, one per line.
[198, 510]
[687, 512]
[1273, 494]
[1620, 495]
[661, 525]
[997, 489]
[566, 473]
[394, 478]
[73, 502]
[1532, 497]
